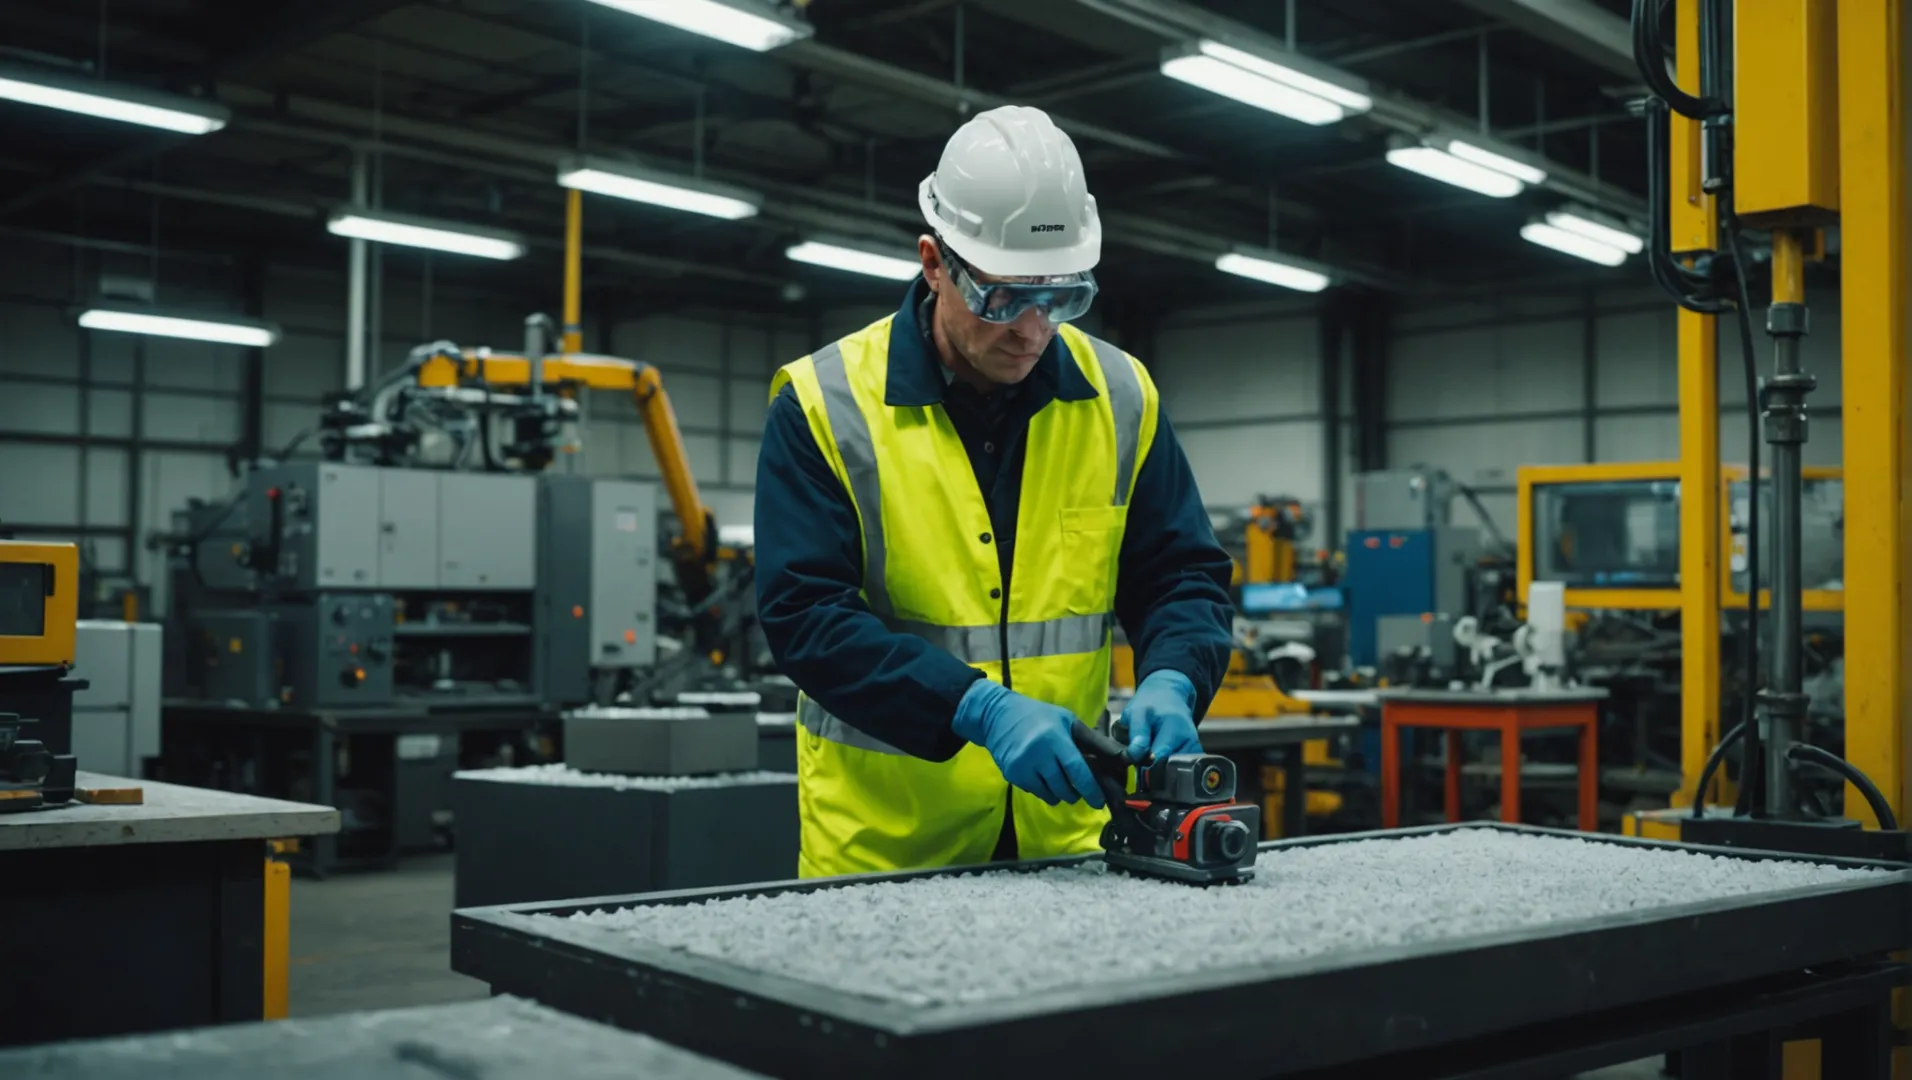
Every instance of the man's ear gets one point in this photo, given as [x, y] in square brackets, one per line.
[932, 260]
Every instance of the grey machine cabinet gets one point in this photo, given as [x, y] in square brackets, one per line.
[329, 536]
[597, 579]
[408, 519]
[487, 531]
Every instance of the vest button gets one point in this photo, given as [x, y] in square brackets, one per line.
[989, 448]
[985, 538]
[995, 594]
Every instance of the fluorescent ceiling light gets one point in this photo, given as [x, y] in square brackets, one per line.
[1274, 271]
[1445, 167]
[1580, 223]
[1265, 84]
[745, 23]
[408, 231]
[1572, 243]
[856, 258]
[112, 101]
[225, 330]
[637, 184]
[1500, 163]
[1289, 74]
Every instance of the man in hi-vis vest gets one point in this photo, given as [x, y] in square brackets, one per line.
[955, 506]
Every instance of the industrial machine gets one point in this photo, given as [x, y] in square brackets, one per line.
[1405, 557]
[1804, 93]
[39, 591]
[116, 716]
[1181, 823]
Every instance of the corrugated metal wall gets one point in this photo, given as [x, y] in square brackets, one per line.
[103, 436]
[1476, 388]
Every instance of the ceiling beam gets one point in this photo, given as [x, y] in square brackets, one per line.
[1580, 27]
[249, 41]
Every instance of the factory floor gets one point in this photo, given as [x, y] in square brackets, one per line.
[382, 940]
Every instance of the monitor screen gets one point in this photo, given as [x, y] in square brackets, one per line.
[23, 593]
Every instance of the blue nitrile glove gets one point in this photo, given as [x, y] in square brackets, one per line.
[1161, 717]
[1030, 741]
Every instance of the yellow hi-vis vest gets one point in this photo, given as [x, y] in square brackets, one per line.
[930, 569]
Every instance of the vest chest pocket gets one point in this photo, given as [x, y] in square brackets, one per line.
[1091, 548]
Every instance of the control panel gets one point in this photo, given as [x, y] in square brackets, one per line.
[339, 648]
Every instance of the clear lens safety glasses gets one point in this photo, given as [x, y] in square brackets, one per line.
[1059, 298]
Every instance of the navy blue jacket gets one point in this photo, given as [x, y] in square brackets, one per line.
[1172, 579]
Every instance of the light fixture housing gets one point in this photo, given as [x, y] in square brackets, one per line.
[407, 230]
[1476, 154]
[191, 326]
[1273, 80]
[855, 256]
[748, 24]
[658, 188]
[1572, 243]
[1438, 164]
[1273, 268]
[1597, 227]
[111, 101]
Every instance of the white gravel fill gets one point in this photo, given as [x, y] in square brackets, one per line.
[559, 775]
[1002, 935]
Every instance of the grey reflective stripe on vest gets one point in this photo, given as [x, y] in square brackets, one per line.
[820, 723]
[853, 441]
[1065, 636]
[1125, 400]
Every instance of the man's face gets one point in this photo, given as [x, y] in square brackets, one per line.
[1003, 353]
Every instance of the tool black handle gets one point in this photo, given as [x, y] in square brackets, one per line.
[1095, 745]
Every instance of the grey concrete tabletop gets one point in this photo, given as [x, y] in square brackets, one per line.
[498, 1037]
[170, 814]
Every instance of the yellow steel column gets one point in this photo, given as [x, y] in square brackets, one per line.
[1692, 217]
[573, 272]
[1872, 145]
[1699, 547]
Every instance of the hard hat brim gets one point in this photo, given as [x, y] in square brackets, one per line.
[993, 259]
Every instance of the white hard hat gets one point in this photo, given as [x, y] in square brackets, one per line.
[1009, 197]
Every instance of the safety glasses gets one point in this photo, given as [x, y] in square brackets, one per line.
[1059, 299]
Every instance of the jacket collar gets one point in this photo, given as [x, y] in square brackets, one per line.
[916, 372]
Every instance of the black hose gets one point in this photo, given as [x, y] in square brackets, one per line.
[1649, 53]
[1754, 777]
[1680, 282]
[1712, 765]
[1813, 755]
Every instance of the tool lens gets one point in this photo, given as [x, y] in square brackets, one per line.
[1212, 780]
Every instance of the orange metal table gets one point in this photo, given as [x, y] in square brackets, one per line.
[1513, 713]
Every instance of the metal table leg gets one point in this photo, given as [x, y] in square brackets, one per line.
[1510, 770]
[1390, 772]
[1294, 792]
[325, 849]
[1858, 1044]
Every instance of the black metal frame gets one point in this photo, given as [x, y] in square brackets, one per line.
[1257, 1020]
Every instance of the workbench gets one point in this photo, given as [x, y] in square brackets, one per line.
[502, 1037]
[386, 768]
[1512, 713]
[1247, 742]
[123, 919]
[1534, 994]
[550, 833]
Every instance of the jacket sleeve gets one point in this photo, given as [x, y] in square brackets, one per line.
[1172, 590]
[809, 565]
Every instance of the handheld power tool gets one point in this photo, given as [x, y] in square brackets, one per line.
[1181, 823]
